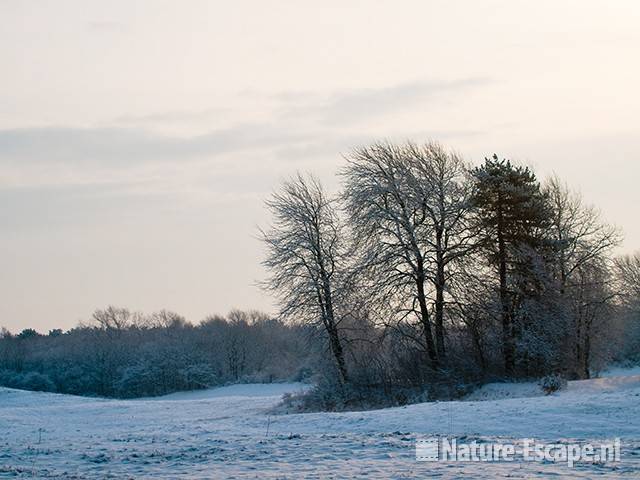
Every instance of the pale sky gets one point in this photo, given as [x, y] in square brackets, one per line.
[138, 139]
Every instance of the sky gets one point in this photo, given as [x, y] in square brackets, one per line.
[139, 139]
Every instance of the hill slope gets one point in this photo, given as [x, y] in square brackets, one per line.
[227, 433]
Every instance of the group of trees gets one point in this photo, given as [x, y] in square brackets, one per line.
[426, 270]
[423, 274]
[125, 354]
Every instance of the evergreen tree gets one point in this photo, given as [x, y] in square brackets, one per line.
[514, 213]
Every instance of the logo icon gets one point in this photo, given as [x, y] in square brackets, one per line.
[427, 450]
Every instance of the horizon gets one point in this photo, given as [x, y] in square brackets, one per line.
[139, 141]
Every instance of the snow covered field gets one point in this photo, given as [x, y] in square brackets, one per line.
[228, 433]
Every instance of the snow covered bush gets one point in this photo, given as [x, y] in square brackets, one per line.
[38, 382]
[35, 381]
[553, 383]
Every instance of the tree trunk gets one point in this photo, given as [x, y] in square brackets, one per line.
[579, 360]
[334, 337]
[424, 319]
[440, 284]
[586, 371]
[475, 335]
[508, 343]
[338, 354]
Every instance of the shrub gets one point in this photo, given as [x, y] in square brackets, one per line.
[327, 395]
[553, 383]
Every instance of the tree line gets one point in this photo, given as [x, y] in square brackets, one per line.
[124, 354]
[427, 272]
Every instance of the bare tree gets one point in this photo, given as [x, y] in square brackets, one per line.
[307, 260]
[578, 230]
[164, 319]
[113, 318]
[389, 227]
[440, 182]
[236, 347]
[409, 207]
[628, 273]
[592, 312]
[474, 306]
[582, 262]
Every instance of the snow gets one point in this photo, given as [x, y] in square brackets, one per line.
[606, 384]
[616, 379]
[621, 372]
[238, 390]
[230, 433]
[498, 391]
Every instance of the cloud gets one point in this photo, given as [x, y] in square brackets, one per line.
[336, 146]
[106, 26]
[35, 207]
[353, 106]
[173, 117]
[309, 129]
[126, 146]
[342, 107]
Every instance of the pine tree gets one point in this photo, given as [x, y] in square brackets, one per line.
[514, 213]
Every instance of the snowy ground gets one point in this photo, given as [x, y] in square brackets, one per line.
[227, 433]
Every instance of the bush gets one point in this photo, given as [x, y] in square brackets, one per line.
[552, 383]
[35, 381]
[38, 382]
[330, 396]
